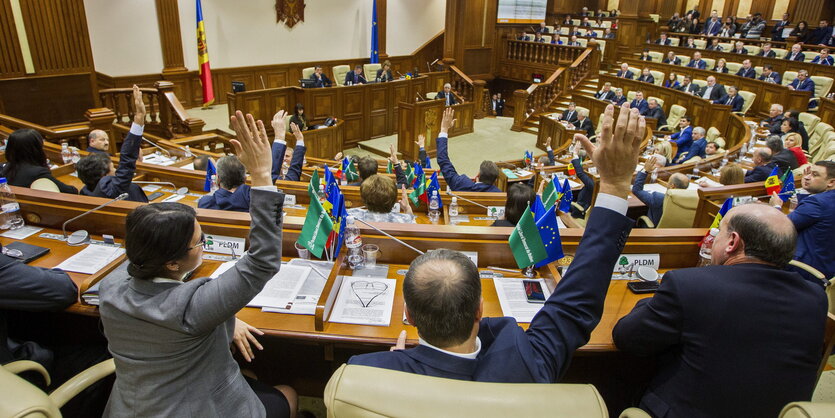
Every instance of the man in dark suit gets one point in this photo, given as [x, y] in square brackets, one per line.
[542, 28]
[663, 39]
[739, 48]
[777, 30]
[286, 165]
[795, 54]
[712, 328]
[785, 159]
[712, 26]
[447, 95]
[319, 78]
[655, 111]
[767, 52]
[687, 86]
[488, 171]
[731, 99]
[573, 41]
[769, 75]
[713, 90]
[619, 98]
[456, 342]
[583, 122]
[355, 77]
[639, 103]
[747, 70]
[497, 105]
[824, 58]
[697, 61]
[683, 138]
[99, 176]
[624, 72]
[694, 14]
[523, 37]
[570, 114]
[672, 59]
[821, 33]
[763, 166]
[774, 119]
[606, 93]
[98, 141]
[802, 82]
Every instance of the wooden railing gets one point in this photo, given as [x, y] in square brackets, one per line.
[540, 53]
[470, 91]
[166, 116]
[74, 134]
[539, 96]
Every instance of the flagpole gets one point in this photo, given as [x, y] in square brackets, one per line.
[389, 235]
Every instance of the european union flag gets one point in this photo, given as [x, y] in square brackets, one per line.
[427, 163]
[549, 231]
[330, 182]
[538, 208]
[565, 201]
[340, 214]
[210, 171]
[788, 186]
[375, 56]
[433, 185]
[418, 172]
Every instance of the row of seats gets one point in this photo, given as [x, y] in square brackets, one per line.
[583, 43]
[565, 30]
[780, 53]
[340, 71]
[577, 22]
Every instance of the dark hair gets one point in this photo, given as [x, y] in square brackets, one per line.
[774, 143]
[768, 67]
[24, 146]
[367, 167]
[794, 114]
[156, 234]
[765, 154]
[442, 291]
[762, 241]
[299, 107]
[488, 172]
[794, 126]
[519, 196]
[830, 168]
[687, 118]
[92, 168]
[231, 173]
[201, 162]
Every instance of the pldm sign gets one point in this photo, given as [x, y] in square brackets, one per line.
[224, 245]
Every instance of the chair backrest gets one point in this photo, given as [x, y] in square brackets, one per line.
[700, 83]
[733, 67]
[676, 112]
[636, 72]
[339, 73]
[660, 101]
[576, 22]
[44, 184]
[710, 63]
[583, 42]
[307, 72]
[675, 41]
[582, 31]
[630, 96]
[656, 56]
[726, 46]
[808, 410]
[753, 50]
[719, 141]
[810, 121]
[564, 40]
[780, 52]
[564, 30]
[679, 209]
[748, 98]
[758, 71]
[657, 76]
[826, 153]
[579, 108]
[700, 43]
[550, 29]
[788, 77]
[362, 391]
[607, 23]
[817, 136]
[712, 133]
[601, 43]
[809, 56]
[684, 59]
[822, 85]
[370, 70]
[547, 38]
[19, 398]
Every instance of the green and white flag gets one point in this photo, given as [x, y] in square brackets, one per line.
[317, 225]
[525, 241]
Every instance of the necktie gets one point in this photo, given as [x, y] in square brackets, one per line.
[447, 100]
[730, 99]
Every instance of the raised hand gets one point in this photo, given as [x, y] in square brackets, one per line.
[448, 120]
[421, 142]
[650, 164]
[138, 107]
[579, 143]
[279, 128]
[618, 149]
[253, 148]
[401, 342]
[404, 201]
[393, 155]
[297, 133]
[547, 142]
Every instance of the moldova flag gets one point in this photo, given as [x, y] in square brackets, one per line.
[203, 60]
[773, 183]
[571, 170]
[528, 158]
[729, 203]
[538, 208]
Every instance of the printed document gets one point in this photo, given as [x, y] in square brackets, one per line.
[364, 301]
[514, 301]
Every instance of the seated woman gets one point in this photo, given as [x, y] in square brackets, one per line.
[731, 174]
[384, 73]
[299, 118]
[379, 193]
[720, 66]
[171, 338]
[645, 55]
[519, 196]
[26, 161]
[796, 126]
[663, 153]
[793, 141]
[672, 81]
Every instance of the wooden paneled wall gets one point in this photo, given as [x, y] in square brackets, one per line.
[58, 36]
[11, 60]
[470, 35]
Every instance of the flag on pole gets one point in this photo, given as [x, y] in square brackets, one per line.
[528, 158]
[525, 241]
[567, 197]
[549, 232]
[571, 170]
[729, 203]
[432, 185]
[317, 225]
[390, 168]
[349, 170]
[314, 179]
[210, 171]
[203, 59]
[410, 176]
[375, 56]
[538, 209]
[419, 192]
[550, 194]
[773, 183]
[788, 186]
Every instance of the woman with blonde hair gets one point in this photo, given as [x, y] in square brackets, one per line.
[664, 149]
[731, 174]
[792, 142]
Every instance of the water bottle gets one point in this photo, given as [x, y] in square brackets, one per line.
[724, 161]
[75, 155]
[453, 207]
[214, 186]
[654, 177]
[696, 171]
[11, 218]
[65, 153]
[434, 205]
[793, 202]
[188, 153]
[322, 196]
[743, 151]
[707, 245]
[353, 239]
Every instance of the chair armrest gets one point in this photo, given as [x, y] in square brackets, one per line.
[577, 206]
[659, 128]
[634, 413]
[646, 221]
[20, 366]
[82, 381]
[809, 269]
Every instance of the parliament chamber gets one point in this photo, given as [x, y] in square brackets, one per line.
[644, 227]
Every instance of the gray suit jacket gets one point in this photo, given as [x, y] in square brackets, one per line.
[170, 340]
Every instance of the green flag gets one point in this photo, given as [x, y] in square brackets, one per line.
[314, 180]
[420, 189]
[525, 241]
[390, 168]
[351, 174]
[550, 195]
[317, 225]
[410, 175]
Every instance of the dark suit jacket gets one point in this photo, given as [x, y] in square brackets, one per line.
[583, 197]
[384, 76]
[222, 199]
[723, 70]
[743, 51]
[442, 95]
[569, 115]
[642, 107]
[690, 88]
[653, 200]
[122, 182]
[499, 105]
[629, 74]
[353, 78]
[799, 57]
[91, 149]
[542, 353]
[786, 160]
[712, 331]
[27, 174]
[701, 64]
[458, 182]
[323, 82]
[771, 54]
[618, 101]
[735, 103]
[777, 30]
[750, 73]
[658, 114]
[666, 42]
[774, 76]
[759, 173]
[609, 95]
[716, 93]
[647, 79]
[675, 61]
[713, 47]
[585, 125]
[294, 172]
[820, 35]
[814, 220]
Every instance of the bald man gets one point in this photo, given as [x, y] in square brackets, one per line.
[741, 337]
[763, 166]
[98, 141]
[655, 200]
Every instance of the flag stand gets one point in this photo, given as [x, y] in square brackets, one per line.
[529, 273]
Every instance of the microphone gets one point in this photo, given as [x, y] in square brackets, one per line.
[82, 236]
[389, 235]
[449, 192]
[156, 146]
[181, 191]
[436, 60]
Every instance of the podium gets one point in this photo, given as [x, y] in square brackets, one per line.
[425, 118]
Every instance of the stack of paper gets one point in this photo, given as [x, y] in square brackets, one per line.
[364, 301]
[282, 288]
[308, 295]
[514, 301]
[91, 259]
[91, 296]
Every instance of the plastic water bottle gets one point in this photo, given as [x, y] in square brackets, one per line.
[66, 155]
[724, 161]
[188, 153]
[353, 239]
[214, 186]
[434, 205]
[453, 207]
[322, 197]
[707, 246]
[11, 218]
[75, 155]
[743, 151]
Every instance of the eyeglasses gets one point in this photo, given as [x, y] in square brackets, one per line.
[200, 243]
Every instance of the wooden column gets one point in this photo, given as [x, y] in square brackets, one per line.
[381, 29]
[810, 11]
[469, 35]
[478, 98]
[520, 99]
[171, 41]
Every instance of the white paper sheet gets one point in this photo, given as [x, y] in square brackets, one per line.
[655, 187]
[514, 301]
[22, 232]
[282, 288]
[710, 182]
[173, 198]
[308, 295]
[364, 301]
[91, 259]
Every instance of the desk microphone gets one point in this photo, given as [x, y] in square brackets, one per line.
[82, 236]
[181, 191]
[449, 192]
[389, 235]
[156, 146]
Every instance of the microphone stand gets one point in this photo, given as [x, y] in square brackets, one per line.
[449, 192]
[82, 236]
[390, 236]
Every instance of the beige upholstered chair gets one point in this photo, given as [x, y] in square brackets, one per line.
[822, 87]
[564, 40]
[676, 112]
[547, 38]
[758, 71]
[780, 53]
[583, 42]
[339, 73]
[719, 141]
[636, 72]
[700, 83]
[582, 31]
[748, 98]
[827, 151]
[810, 121]
[788, 77]
[658, 77]
[656, 56]
[307, 72]
[808, 56]
[370, 70]
[564, 30]
[20, 398]
[808, 410]
[45, 185]
[675, 41]
[710, 63]
[634, 413]
[679, 210]
[630, 96]
[607, 23]
[726, 46]
[733, 67]
[550, 29]
[712, 133]
[816, 137]
[660, 101]
[575, 22]
[700, 43]
[753, 50]
[684, 59]
[362, 391]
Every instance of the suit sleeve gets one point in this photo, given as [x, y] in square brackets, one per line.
[127, 163]
[638, 189]
[278, 149]
[28, 288]
[455, 181]
[422, 157]
[806, 214]
[294, 173]
[654, 325]
[401, 177]
[551, 159]
[574, 309]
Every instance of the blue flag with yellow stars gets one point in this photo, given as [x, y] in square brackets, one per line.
[550, 233]
[565, 200]
[375, 55]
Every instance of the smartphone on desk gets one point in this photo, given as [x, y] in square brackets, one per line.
[643, 287]
[533, 291]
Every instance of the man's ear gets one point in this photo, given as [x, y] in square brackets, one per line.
[408, 315]
[480, 313]
[735, 244]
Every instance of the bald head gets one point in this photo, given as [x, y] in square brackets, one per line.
[442, 291]
[679, 181]
[98, 139]
[755, 232]
[762, 156]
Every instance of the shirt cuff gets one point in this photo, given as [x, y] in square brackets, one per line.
[610, 202]
[443, 135]
[548, 148]
[421, 148]
[137, 129]
[272, 188]
[280, 141]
